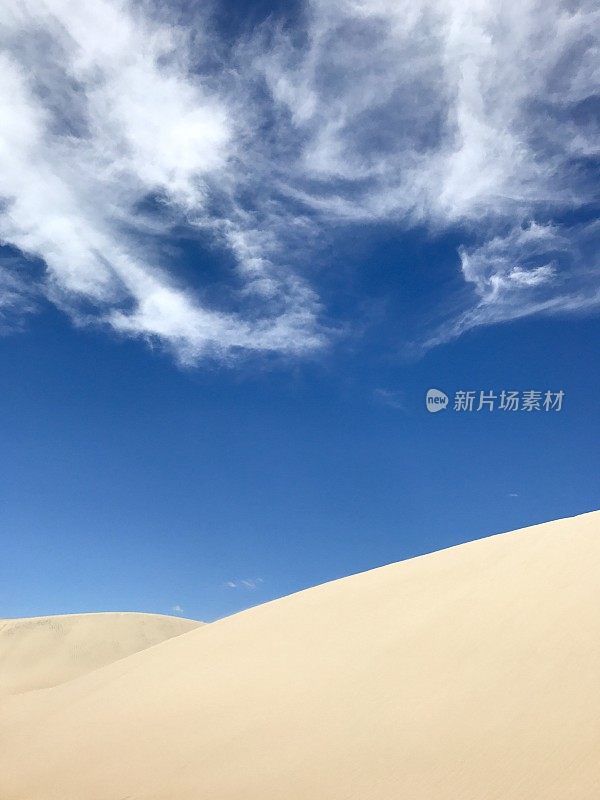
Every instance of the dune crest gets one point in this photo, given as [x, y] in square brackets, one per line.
[41, 652]
[468, 674]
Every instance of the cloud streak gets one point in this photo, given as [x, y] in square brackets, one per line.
[249, 584]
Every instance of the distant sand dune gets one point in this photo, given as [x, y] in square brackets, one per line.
[39, 652]
[468, 674]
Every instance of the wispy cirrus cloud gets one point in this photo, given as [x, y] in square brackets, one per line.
[537, 269]
[250, 584]
[470, 117]
[465, 116]
[391, 398]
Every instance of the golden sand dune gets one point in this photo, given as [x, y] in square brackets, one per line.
[40, 652]
[469, 674]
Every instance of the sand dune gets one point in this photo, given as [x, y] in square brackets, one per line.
[39, 652]
[468, 674]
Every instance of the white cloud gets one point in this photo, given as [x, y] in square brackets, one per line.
[426, 108]
[472, 116]
[100, 112]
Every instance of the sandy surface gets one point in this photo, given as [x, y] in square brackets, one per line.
[468, 674]
[39, 652]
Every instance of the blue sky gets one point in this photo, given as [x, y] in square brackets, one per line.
[240, 244]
